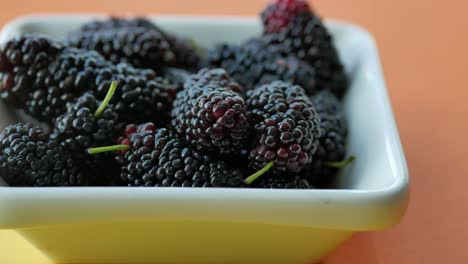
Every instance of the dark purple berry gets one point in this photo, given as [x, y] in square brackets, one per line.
[291, 28]
[210, 115]
[137, 46]
[252, 65]
[79, 129]
[216, 77]
[286, 126]
[28, 157]
[331, 147]
[137, 41]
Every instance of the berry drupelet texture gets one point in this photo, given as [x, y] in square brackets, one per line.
[140, 96]
[216, 77]
[210, 115]
[330, 111]
[251, 65]
[29, 158]
[331, 146]
[156, 158]
[137, 46]
[137, 41]
[27, 82]
[290, 27]
[41, 77]
[286, 126]
[80, 128]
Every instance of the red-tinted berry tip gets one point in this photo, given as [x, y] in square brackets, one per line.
[279, 14]
[129, 129]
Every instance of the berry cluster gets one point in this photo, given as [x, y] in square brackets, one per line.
[40, 77]
[293, 37]
[123, 102]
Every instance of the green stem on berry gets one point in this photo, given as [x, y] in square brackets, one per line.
[106, 100]
[107, 149]
[259, 173]
[340, 164]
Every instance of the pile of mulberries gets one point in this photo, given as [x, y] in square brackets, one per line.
[41, 77]
[125, 102]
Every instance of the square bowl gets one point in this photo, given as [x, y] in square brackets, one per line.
[219, 225]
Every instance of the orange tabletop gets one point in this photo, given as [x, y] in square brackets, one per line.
[424, 49]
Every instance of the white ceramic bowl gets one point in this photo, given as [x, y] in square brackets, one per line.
[172, 225]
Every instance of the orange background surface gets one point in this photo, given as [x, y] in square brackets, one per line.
[424, 49]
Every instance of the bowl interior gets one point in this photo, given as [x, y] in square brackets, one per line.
[373, 138]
